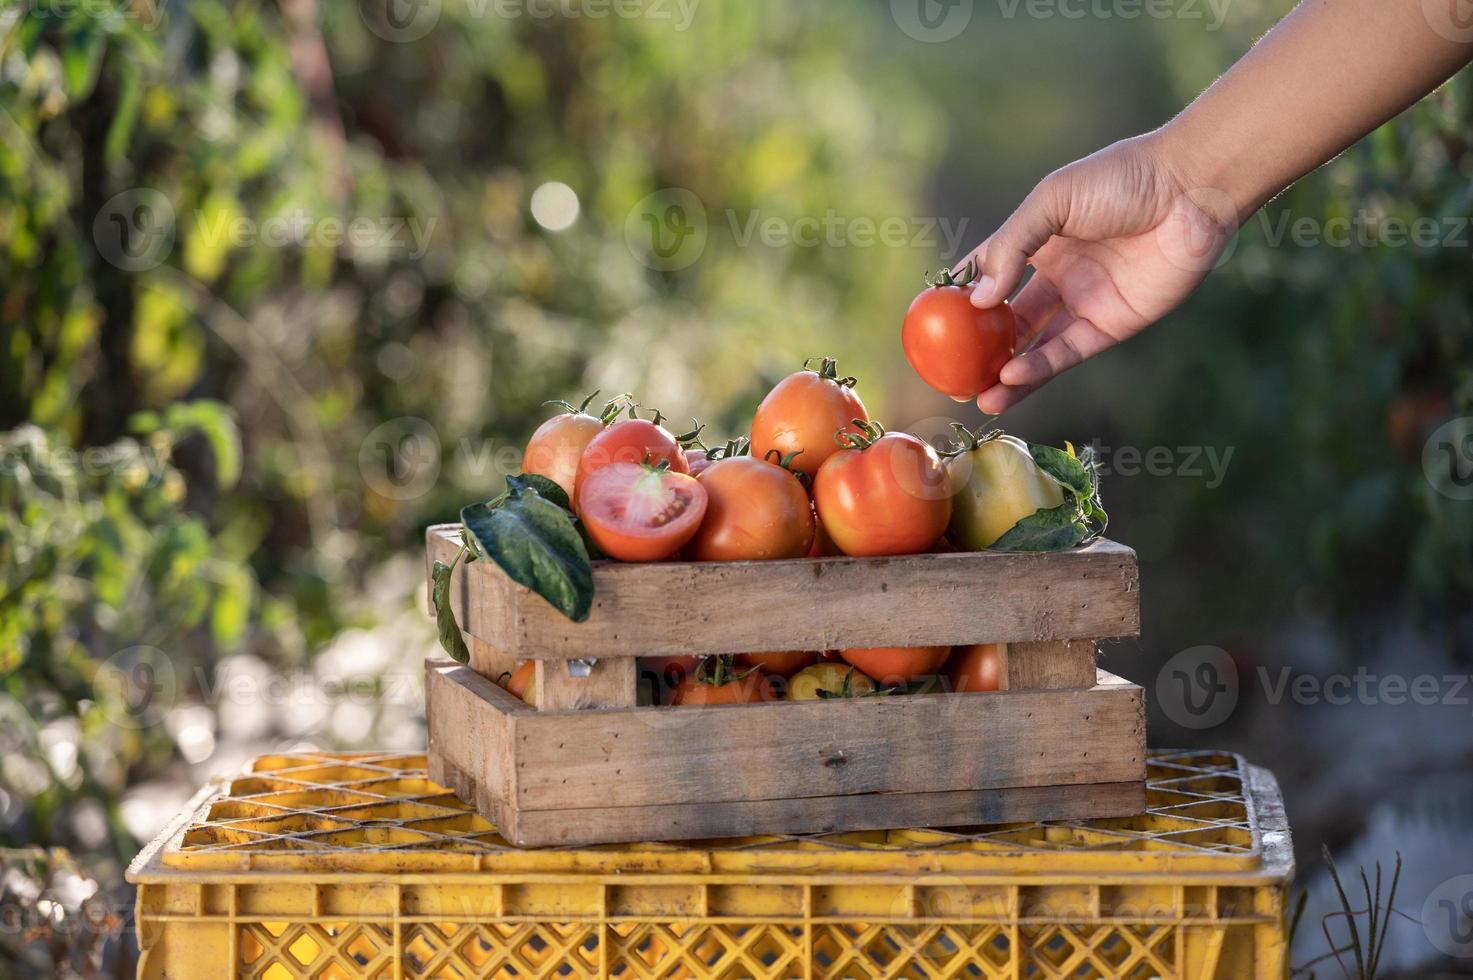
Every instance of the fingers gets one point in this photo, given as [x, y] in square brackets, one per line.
[1076, 341]
[1006, 252]
[1035, 307]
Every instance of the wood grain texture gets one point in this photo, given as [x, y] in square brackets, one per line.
[825, 814]
[610, 683]
[1049, 666]
[670, 608]
[560, 776]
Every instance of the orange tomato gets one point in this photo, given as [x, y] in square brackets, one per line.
[755, 510]
[523, 682]
[750, 687]
[977, 667]
[784, 664]
[897, 665]
[888, 495]
[802, 413]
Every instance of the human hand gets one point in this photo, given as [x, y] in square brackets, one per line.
[1117, 240]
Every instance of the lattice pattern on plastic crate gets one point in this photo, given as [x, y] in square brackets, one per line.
[325, 806]
[332, 867]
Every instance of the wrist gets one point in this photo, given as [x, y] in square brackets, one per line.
[1216, 178]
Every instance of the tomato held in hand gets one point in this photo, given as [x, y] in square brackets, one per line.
[756, 510]
[638, 512]
[784, 664]
[556, 447]
[897, 665]
[956, 348]
[977, 667]
[887, 495]
[802, 413]
[629, 441]
[715, 682]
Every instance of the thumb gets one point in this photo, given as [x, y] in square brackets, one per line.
[1007, 251]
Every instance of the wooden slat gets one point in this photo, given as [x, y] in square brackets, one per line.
[469, 721]
[610, 683]
[824, 814]
[670, 608]
[487, 659]
[1049, 666]
[830, 748]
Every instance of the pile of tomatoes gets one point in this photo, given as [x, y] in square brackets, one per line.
[802, 676]
[815, 477]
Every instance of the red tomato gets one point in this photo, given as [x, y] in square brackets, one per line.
[750, 687]
[784, 664]
[803, 412]
[823, 546]
[697, 460]
[629, 441]
[896, 665]
[523, 682]
[977, 667]
[755, 510]
[955, 347]
[636, 512]
[887, 497]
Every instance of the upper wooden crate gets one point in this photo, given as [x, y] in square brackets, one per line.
[672, 608]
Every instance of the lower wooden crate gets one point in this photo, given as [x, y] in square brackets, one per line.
[561, 777]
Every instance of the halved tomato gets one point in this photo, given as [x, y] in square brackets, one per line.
[629, 441]
[638, 512]
[891, 665]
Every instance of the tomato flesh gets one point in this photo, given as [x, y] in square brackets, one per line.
[802, 414]
[634, 512]
[629, 441]
[956, 348]
[891, 665]
[756, 510]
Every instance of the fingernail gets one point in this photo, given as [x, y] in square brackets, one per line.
[982, 291]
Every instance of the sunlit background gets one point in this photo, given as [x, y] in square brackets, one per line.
[283, 283]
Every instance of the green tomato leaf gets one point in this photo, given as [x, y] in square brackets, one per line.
[450, 638]
[534, 541]
[546, 489]
[1064, 468]
[1048, 529]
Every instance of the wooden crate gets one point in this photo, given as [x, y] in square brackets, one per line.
[1061, 740]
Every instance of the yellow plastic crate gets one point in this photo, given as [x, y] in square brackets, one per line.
[338, 866]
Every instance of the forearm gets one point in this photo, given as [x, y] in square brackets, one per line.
[1329, 73]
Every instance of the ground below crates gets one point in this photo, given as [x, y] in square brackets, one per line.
[344, 866]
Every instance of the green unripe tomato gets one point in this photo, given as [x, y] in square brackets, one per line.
[996, 485]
